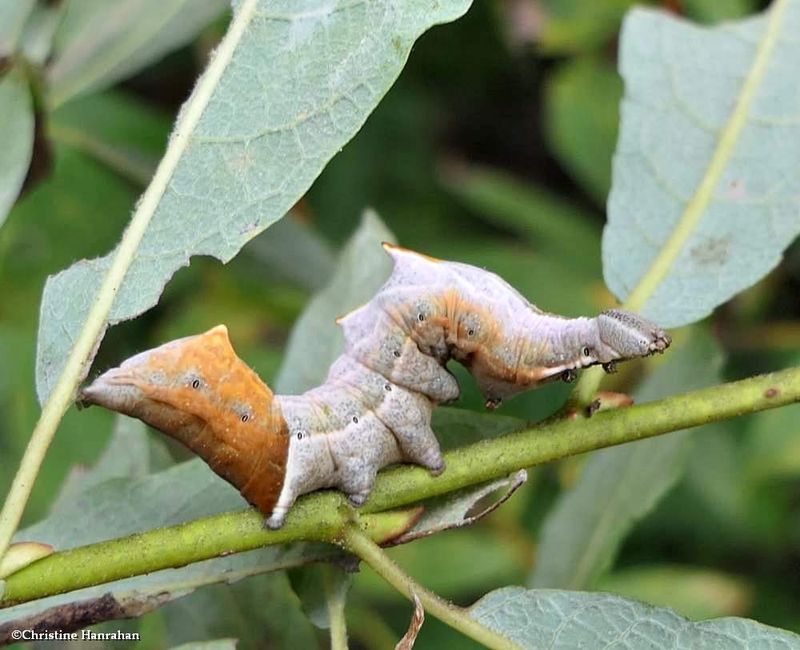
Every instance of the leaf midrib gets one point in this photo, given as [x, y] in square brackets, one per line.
[61, 396]
[729, 137]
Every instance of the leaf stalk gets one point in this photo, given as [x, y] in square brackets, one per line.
[355, 541]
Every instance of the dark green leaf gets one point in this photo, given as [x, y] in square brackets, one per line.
[582, 113]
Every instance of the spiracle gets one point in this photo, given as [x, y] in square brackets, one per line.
[375, 405]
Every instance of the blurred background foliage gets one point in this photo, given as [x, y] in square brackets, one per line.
[493, 148]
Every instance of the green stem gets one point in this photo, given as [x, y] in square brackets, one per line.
[355, 541]
[585, 390]
[335, 597]
[320, 516]
[493, 458]
[319, 519]
[686, 225]
[75, 367]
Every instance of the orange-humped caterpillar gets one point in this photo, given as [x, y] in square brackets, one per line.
[375, 406]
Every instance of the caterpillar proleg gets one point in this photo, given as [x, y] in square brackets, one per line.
[375, 405]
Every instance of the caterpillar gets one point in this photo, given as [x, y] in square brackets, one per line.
[375, 406]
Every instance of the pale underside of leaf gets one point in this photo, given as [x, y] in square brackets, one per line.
[13, 14]
[100, 42]
[37, 40]
[705, 193]
[295, 82]
[16, 137]
[565, 620]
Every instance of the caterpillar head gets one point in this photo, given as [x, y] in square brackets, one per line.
[197, 390]
[626, 335]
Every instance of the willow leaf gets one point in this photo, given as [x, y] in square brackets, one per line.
[705, 193]
[548, 618]
[290, 84]
[16, 134]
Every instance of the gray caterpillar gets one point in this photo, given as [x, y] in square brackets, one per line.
[375, 406]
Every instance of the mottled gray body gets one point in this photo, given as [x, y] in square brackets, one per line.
[345, 430]
[375, 406]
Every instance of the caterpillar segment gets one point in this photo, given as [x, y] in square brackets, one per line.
[197, 390]
[375, 406]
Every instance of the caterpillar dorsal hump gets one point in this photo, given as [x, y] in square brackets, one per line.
[375, 405]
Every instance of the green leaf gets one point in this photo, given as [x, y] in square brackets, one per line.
[772, 446]
[248, 144]
[115, 129]
[101, 42]
[316, 586]
[82, 435]
[704, 201]
[582, 114]
[13, 14]
[693, 592]
[572, 26]
[16, 134]
[37, 39]
[130, 453]
[216, 644]
[715, 477]
[714, 11]
[548, 221]
[295, 251]
[457, 427]
[451, 565]
[261, 612]
[122, 506]
[316, 340]
[562, 619]
[618, 486]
